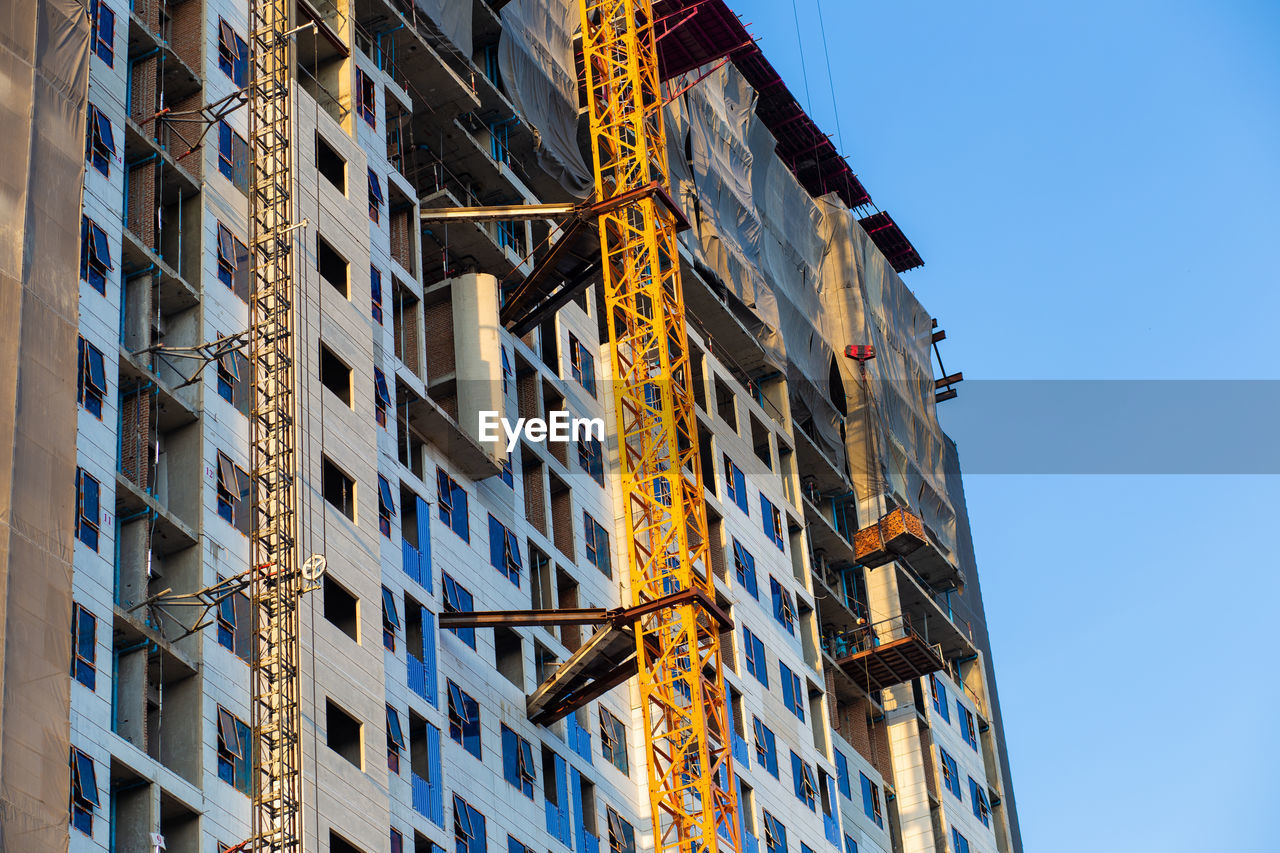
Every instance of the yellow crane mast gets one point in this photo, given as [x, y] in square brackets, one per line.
[691, 782]
[276, 584]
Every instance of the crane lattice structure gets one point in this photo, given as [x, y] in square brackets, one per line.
[275, 591]
[678, 648]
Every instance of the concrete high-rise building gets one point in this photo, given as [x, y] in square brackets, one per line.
[859, 672]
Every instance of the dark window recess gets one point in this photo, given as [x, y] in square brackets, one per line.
[341, 608]
[508, 653]
[342, 733]
[338, 844]
[332, 266]
[335, 375]
[331, 165]
[339, 489]
[725, 404]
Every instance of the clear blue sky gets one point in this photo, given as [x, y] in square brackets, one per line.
[1093, 187]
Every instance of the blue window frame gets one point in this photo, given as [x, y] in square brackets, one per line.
[233, 54]
[842, 775]
[871, 800]
[959, 844]
[104, 31]
[91, 379]
[100, 141]
[978, 798]
[806, 785]
[84, 647]
[753, 652]
[591, 458]
[226, 375]
[622, 835]
[950, 773]
[583, 365]
[745, 567]
[390, 620]
[784, 608]
[375, 294]
[613, 741]
[458, 599]
[88, 510]
[381, 397]
[504, 551]
[850, 846]
[464, 719]
[366, 98]
[386, 506]
[597, 541]
[772, 520]
[766, 747]
[968, 730]
[395, 740]
[95, 255]
[517, 762]
[234, 750]
[938, 691]
[735, 485]
[233, 156]
[375, 197]
[775, 834]
[452, 505]
[84, 791]
[233, 493]
[468, 827]
[507, 372]
[514, 846]
[792, 691]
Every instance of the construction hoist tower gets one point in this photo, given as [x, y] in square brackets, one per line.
[276, 584]
[682, 695]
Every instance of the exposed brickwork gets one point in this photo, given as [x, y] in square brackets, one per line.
[562, 518]
[527, 395]
[438, 319]
[715, 547]
[142, 89]
[142, 204]
[185, 32]
[535, 500]
[401, 227]
[135, 439]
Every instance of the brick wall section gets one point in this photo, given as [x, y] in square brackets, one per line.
[141, 218]
[185, 30]
[439, 331]
[527, 395]
[715, 547]
[135, 439]
[177, 140]
[401, 227]
[883, 760]
[142, 90]
[855, 722]
[562, 519]
[535, 499]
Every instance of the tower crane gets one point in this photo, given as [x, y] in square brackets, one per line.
[673, 618]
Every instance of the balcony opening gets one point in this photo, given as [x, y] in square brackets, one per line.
[508, 653]
[331, 164]
[339, 489]
[342, 733]
[341, 608]
[335, 375]
[333, 267]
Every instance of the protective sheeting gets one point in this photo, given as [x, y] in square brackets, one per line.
[535, 56]
[453, 18]
[895, 443]
[44, 61]
[758, 235]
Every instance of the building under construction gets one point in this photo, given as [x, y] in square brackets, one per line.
[473, 649]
